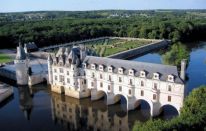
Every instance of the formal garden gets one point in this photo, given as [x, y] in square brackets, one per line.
[108, 47]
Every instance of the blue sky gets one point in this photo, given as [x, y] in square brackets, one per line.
[36, 5]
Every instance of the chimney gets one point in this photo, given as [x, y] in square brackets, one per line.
[183, 69]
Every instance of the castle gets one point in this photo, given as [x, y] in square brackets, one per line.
[75, 73]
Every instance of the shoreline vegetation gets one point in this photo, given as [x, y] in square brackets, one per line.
[51, 28]
[192, 116]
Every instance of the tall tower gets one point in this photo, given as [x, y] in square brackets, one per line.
[21, 64]
[50, 62]
[183, 69]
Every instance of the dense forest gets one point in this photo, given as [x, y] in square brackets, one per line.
[47, 28]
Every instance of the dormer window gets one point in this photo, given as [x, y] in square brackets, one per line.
[100, 67]
[156, 76]
[131, 72]
[109, 69]
[120, 70]
[142, 74]
[171, 78]
[93, 66]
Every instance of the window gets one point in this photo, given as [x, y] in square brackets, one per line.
[109, 87]
[120, 88]
[110, 78]
[101, 84]
[67, 72]
[156, 76]
[110, 69]
[142, 83]
[155, 85]
[171, 78]
[120, 79]
[154, 96]
[130, 82]
[169, 88]
[131, 72]
[142, 74]
[55, 77]
[130, 91]
[55, 70]
[61, 78]
[92, 84]
[142, 93]
[93, 66]
[100, 67]
[68, 80]
[61, 70]
[93, 75]
[169, 98]
[85, 81]
[100, 76]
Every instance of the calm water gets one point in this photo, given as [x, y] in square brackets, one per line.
[39, 109]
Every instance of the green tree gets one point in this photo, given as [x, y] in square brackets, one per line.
[174, 56]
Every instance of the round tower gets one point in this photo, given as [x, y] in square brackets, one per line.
[22, 65]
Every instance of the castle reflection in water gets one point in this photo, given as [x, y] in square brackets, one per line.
[85, 114]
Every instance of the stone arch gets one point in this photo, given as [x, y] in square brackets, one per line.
[171, 112]
[122, 99]
[149, 102]
[97, 95]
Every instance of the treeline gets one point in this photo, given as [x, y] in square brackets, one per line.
[192, 117]
[156, 25]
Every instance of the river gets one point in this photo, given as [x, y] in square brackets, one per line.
[39, 109]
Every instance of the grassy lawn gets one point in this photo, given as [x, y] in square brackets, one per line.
[5, 58]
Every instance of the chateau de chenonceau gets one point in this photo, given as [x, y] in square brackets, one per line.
[74, 71]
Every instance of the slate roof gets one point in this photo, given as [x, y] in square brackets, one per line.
[149, 68]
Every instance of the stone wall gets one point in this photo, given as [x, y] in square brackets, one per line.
[37, 78]
[8, 74]
[140, 50]
[39, 54]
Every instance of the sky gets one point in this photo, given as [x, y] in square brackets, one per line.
[81, 5]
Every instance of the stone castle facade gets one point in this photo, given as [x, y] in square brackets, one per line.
[74, 72]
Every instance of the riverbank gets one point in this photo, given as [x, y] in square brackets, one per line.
[5, 92]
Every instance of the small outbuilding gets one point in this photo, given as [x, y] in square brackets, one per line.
[31, 47]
